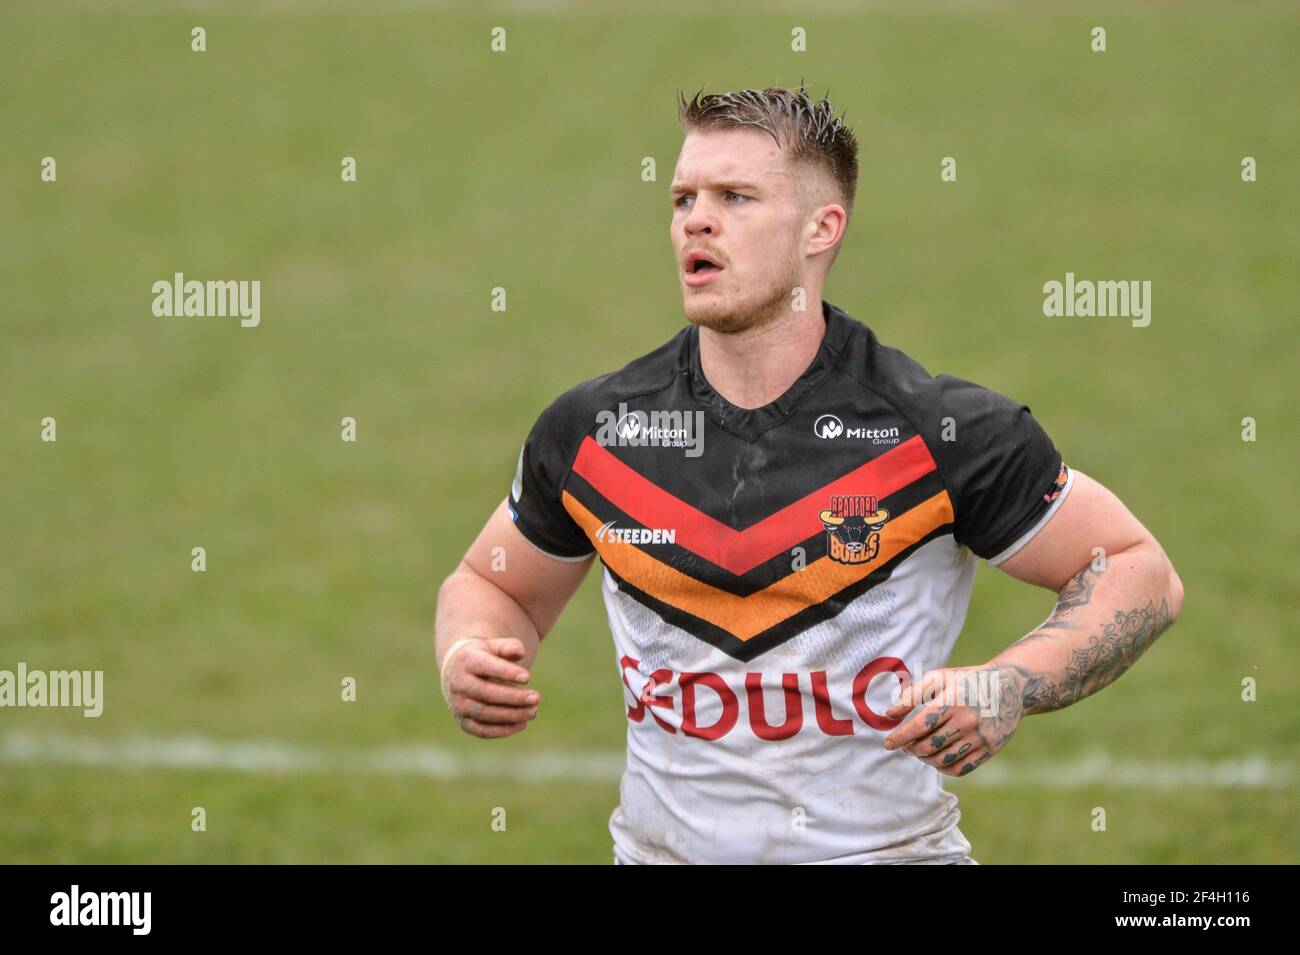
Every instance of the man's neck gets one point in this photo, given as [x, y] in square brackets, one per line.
[755, 367]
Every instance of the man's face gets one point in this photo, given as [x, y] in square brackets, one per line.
[736, 200]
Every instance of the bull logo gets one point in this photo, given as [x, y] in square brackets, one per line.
[853, 524]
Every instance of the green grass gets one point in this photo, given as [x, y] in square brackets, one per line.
[522, 170]
[53, 817]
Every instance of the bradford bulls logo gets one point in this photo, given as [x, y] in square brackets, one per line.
[853, 524]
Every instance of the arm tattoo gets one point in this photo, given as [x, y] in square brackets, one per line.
[1106, 657]
[1075, 595]
[1077, 592]
[994, 731]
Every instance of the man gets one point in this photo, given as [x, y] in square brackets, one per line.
[790, 515]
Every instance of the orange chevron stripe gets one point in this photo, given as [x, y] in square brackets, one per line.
[746, 617]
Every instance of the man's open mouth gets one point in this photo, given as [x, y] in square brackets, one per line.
[701, 264]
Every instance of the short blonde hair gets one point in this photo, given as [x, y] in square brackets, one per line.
[810, 129]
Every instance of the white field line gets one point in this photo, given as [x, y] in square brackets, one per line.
[270, 756]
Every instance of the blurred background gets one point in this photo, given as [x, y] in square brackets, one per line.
[522, 169]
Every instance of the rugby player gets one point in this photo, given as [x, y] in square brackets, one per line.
[789, 514]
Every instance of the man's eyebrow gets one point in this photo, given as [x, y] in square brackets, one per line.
[726, 184]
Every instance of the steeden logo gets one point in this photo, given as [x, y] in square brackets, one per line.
[635, 535]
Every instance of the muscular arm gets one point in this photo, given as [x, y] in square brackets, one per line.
[1120, 594]
[505, 596]
[1117, 592]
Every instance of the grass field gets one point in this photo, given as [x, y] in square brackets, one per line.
[522, 170]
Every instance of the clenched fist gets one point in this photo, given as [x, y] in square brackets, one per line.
[959, 716]
[485, 690]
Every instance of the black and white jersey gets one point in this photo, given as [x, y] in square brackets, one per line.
[772, 574]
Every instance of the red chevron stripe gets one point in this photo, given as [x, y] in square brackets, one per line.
[730, 549]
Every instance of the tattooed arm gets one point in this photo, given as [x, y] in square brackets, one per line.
[1117, 593]
[1121, 594]
[1076, 651]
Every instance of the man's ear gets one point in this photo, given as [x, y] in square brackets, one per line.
[830, 222]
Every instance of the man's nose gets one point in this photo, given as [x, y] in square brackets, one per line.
[701, 218]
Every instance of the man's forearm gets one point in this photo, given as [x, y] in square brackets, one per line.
[1103, 621]
[469, 606]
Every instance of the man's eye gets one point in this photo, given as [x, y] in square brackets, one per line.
[678, 202]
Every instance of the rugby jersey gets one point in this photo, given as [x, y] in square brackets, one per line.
[771, 576]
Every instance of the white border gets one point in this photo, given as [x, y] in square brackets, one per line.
[567, 560]
[1028, 535]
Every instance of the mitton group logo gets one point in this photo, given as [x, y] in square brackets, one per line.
[829, 427]
[853, 523]
[656, 428]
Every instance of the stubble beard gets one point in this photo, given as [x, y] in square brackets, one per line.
[738, 312]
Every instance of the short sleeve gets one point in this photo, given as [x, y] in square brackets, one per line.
[1004, 473]
[536, 503]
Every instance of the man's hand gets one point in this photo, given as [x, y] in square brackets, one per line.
[961, 716]
[1117, 592]
[484, 688]
[493, 612]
